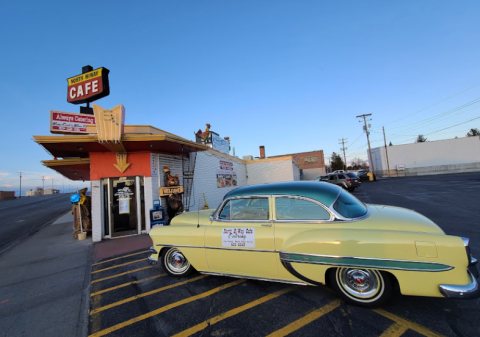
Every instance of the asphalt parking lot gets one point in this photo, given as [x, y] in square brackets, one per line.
[131, 298]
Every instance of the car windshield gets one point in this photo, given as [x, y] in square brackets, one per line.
[349, 206]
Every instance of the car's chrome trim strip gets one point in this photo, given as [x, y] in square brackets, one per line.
[364, 262]
[295, 273]
[468, 291]
[220, 248]
[254, 278]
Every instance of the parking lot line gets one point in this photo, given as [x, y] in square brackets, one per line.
[300, 323]
[165, 308]
[125, 284]
[118, 265]
[119, 257]
[121, 274]
[395, 330]
[231, 313]
[133, 298]
[408, 324]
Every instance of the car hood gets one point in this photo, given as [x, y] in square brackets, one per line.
[402, 219]
[201, 217]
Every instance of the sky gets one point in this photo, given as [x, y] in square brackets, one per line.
[289, 75]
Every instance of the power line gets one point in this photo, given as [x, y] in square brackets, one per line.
[446, 99]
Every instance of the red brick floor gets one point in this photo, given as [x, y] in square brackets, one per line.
[114, 247]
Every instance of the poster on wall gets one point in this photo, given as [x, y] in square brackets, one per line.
[220, 178]
[226, 176]
[220, 144]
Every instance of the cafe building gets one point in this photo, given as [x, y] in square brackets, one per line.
[134, 168]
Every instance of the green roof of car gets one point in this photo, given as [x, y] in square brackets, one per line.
[323, 192]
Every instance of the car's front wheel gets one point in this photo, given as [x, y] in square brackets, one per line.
[363, 287]
[175, 263]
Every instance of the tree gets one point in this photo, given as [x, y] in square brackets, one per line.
[421, 139]
[473, 132]
[337, 162]
[357, 163]
[390, 144]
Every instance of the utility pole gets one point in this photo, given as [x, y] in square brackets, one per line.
[386, 151]
[343, 148]
[364, 116]
[43, 190]
[21, 184]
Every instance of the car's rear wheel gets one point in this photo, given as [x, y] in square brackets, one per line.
[351, 189]
[175, 263]
[363, 287]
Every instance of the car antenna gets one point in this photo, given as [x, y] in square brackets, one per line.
[198, 213]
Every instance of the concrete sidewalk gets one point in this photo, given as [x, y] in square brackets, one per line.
[113, 247]
[44, 283]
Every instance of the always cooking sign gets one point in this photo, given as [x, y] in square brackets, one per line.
[68, 122]
[238, 237]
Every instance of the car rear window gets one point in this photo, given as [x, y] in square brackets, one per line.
[349, 206]
[352, 175]
[299, 209]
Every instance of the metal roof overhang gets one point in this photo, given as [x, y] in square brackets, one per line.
[81, 146]
[73, 169]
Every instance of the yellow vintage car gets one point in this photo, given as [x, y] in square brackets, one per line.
[315, 233]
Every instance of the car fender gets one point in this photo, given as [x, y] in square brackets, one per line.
[436, 259]
[186, 232]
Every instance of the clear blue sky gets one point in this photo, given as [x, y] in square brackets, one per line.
[289, 75]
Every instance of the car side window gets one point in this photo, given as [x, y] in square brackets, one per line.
[246, 209]
[332, 177]
[299, 209]
[341, 176]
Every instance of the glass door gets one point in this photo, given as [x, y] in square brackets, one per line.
[124, 217]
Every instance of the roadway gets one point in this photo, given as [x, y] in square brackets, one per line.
[20, 218]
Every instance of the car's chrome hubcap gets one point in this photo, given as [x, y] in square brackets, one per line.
[359, 282]
[176, 262]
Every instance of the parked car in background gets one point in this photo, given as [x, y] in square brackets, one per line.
[342, 180]
[313, 233]
[338, 171]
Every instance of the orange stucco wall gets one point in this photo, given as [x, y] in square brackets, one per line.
[101, 165]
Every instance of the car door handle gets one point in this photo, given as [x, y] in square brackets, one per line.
[267, 224]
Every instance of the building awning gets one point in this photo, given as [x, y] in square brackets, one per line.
[80, 146]
[73, 169]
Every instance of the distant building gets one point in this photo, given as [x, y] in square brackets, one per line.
[51, 191]
[32, 193]
[437, 157]
[6, 195]
[311, 164]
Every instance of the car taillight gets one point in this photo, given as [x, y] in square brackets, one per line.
[348, 180]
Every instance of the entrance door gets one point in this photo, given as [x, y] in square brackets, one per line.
[124, 203]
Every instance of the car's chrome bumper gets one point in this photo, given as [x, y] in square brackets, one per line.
[469, 291]
[150, 259]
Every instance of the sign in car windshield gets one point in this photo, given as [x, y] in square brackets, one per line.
[88, 87]
[69, 122]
